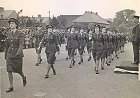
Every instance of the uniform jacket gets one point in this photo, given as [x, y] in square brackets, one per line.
[72, 40]
[38, 37]
[51, 43]
[82, 39]
[97, 41]
[14, 44]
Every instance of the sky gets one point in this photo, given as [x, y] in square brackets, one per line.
[105, 8]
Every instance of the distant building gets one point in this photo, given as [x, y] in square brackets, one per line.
[44, 21]
[5, 15]
[68, 19]
[91, 17]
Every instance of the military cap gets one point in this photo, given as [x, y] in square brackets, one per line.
[97, 26]
[136, 16]
[13, 20]
[49, 26]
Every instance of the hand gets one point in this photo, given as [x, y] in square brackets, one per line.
[17, 54]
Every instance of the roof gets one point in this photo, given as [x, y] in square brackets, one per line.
[69, 18]
[6, 13]
[3, 23]
[91, 17]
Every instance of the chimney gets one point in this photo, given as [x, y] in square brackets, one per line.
[1, 9]
[96, 13]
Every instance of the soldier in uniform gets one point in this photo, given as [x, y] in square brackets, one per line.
[72, 44]
[135, 40]
[38, 36]
[110, 47]
[51, 48]
[105, 47]
[82, 39]
[89, 44]
[97, 46]
[67, 49]
[14, 52]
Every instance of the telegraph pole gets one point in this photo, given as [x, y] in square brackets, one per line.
[49, 17]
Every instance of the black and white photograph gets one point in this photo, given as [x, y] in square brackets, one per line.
[69, 48]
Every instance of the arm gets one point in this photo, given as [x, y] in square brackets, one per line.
[21, 43]
[56, 43]
[6, 47]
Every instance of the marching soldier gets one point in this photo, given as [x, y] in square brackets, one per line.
[89, 44]
[97, 46]
[82, 39]
[38, 36]
[14, 52]
[72, 44]
[51, 48]
[105, 47]
[110, 47]
[67, 49]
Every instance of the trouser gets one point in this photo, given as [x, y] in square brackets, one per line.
[136, 52]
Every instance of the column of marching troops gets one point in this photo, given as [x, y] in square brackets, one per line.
[103, 45]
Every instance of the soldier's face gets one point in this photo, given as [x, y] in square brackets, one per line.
[55, 30]
[72, 29]
[12, 25]
[39, 28]
[82, 30]
[68, 30]
[96, 29]
[50, 30]
[104, 30]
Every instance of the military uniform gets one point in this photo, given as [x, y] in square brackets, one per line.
[97, 45]
[82, 39]
[72, 42]
[38, 37]
[14, 51]
[110, 45]
[105, 45]
[51, 46]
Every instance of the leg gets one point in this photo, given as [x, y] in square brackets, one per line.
[102, 63]
[136, 53]
[81, 50]
[24, 78]
[48, 70]
[10, 75]
[72, 57]
[54, 72]
[97, 65]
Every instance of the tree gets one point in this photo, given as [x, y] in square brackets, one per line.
[124, 20]
[54, 22]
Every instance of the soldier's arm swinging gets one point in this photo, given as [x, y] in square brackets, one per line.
[21, 44]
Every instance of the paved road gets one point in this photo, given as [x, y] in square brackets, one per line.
[78, 82]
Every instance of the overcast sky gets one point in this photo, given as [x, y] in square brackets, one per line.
[105, 8]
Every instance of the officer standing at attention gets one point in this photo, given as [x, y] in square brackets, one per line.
[14, 52]
[135, 40]
[51, 48]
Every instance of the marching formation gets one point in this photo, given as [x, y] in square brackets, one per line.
[102, 44]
